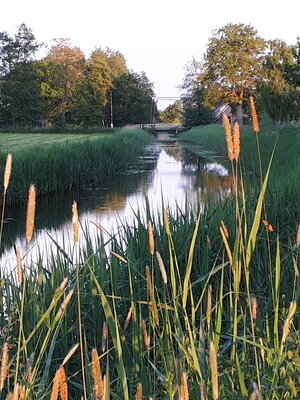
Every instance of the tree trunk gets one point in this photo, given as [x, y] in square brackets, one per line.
[239, 114]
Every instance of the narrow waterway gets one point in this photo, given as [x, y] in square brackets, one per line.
[165, 170]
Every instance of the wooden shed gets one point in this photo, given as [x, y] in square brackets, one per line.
[223, 109]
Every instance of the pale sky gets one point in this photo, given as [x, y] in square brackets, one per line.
[158, 37]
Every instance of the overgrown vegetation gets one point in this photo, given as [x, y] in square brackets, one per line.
[58, 163]
[180, 305]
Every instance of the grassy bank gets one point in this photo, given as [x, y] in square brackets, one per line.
[57, 163]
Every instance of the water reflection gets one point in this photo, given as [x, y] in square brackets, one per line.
[165, 169]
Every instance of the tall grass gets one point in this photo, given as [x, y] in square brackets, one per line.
[72, 164]
[212, 315]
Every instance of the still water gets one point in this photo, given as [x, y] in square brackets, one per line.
[166, 170]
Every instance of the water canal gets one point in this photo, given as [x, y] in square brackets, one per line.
[167, 169]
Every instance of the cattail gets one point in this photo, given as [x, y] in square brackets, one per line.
[16, 392]
[287, 322]
[253, 309]
[150, 288]
[104, 388]
[104, 336]
[30, 213]
[183, 389]
[214, 370]
[228, 135]
[10, 396]
[70, 354]
[255, 395]
[162, 267]
[145, 336]
[126, 323]
[139, 392]
[166, 222]
[298, 236]
[97, 375]
[75, 221]
[208, 309]
[63, 285]
[22, 392]
[208, 242]
[268, 225]
[4, 362]
[28, 369]
[64, 305]
[254, 116]
[236, 141]
[19, 265]
[7, 172]
[63, 390]
[119, 257]
[55, 386]
[262, 350]
[150, 238]
[202, 391]
[224, 229]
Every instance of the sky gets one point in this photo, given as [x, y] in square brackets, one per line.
[158, 37]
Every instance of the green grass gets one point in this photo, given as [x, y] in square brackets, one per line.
[214, 281]
[60, 163]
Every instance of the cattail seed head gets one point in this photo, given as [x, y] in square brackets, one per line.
[162, 267]
[253, 309]
[150, 238]
[268, 225]
[229, 141]
[298, 236]
[255, 125]
[153, 306]
[288, 321]
[139, 392]
[127, 320]
[70, 354]
[3, 368]
[145, 336]
[224, 229]
[262, 350]
[236, 141]
[7, 172]
[122, 259]
[19, 265]
[97, 375]
[75, 221]
[104, 336]
[64, 305]
[30, 213]
[63, 285]
[214, 370]
[208, 308]
[166, 222]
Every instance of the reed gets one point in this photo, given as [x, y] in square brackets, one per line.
[30, 213]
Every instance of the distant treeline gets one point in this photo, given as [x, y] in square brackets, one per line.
[65, 87]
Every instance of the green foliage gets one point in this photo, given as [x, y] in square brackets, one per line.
[172, 114]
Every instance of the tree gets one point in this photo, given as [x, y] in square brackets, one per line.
[172, 114]
[233, 65]
[63, 72]
[18, 49]
[292, 69]
[194, 113]
[132, 99]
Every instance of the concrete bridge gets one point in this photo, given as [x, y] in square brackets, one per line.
[163, 128]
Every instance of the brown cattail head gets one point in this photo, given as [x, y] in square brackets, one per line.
[183, 389]
[298, 236]
[229, 141]
[162, 267]
[214, 370]
[139, 392]
[224, 229]
[255, 395]
[145, 336]
[127, 320]
[236, 141]
[63, 285]
[55, 386]
[19, 265]
[104, 336]
[166, 222]
[97, 375]
[63, 391]
[268, 225]
[7, 172]
[262, 350]
[75, 221]
[255, 125]
[288, 321]
[208, 308]
[64, 305]
[3, 368]
[253, 309]
[153, 306]
[122, 259]
[70, 354]
[151, 238]
[30, 213]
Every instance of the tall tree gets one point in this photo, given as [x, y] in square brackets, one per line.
[63, 72]
[132, 99]
[194, 112]
[233, 65]
[292, 69]
[172, 114]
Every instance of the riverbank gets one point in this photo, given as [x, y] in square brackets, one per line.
[58, 163]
